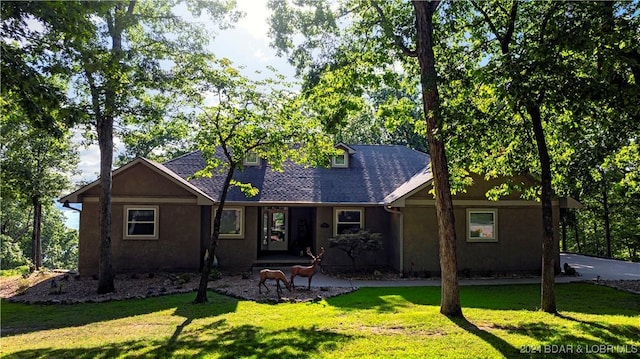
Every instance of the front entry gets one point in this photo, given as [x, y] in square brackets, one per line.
[275, 229]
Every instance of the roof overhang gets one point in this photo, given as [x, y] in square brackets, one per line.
[569, 202]
[415, 184]
[201, 197]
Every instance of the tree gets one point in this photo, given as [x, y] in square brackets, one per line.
[533, 87]
[354, 55]
[261, 117]
[356, 243]
[34, 162]
[124, 54]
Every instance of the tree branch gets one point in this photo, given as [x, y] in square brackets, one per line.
[487, 18]
[384, 23]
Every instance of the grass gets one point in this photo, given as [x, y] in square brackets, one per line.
[21, 270]
[500, 321]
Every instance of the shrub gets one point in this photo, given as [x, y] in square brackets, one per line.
[354, 244]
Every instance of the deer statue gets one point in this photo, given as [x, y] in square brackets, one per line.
[307, 271]
[277, 275]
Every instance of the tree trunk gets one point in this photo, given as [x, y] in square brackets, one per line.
[105, 142]
[36, 238]
[548, 297]
[563, 216]
[605, 205]
[201, 297]
[450, 300]
[576, 232]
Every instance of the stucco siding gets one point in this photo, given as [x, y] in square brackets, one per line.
[518, 248]
[140, 180]
[238, 254]
[177, 247]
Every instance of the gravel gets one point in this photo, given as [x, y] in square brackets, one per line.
[65, 288]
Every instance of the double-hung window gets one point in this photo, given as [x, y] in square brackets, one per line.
[141, 222]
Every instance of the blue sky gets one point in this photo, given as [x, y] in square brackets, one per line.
[247, 45]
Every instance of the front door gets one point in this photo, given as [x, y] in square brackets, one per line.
[274, 229]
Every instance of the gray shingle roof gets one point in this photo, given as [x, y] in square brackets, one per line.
[375, 171]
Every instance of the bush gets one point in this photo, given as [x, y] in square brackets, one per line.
[354, 244]
[11, 255]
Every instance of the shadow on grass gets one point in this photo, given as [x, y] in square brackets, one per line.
[573, 297]
[20, 318]
[499, 344]
[218, 340]
[610, 339]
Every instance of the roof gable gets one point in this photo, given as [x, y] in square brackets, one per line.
[202, 198]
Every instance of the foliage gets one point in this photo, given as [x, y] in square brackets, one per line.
[124, 61]
[59, 243]
[260, 117]
[15, 271]
[371, 322]
[347, 51]
[356, 243]
[11, 254]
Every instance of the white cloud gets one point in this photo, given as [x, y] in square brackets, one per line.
[89, 165]
[255, 20]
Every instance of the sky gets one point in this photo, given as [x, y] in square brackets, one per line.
[246, 45]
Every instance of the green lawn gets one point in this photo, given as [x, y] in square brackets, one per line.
[501, 321]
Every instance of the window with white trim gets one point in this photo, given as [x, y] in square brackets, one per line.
[340, 161]
[482, 225]
[251, 159]
[141, 222]
[232, 222]
[348, 219]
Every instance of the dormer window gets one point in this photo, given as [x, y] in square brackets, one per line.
[251, 159]
[340, 161]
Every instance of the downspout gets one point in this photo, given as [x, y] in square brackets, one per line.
[400, 234]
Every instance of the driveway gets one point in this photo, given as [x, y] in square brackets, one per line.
[607, 269]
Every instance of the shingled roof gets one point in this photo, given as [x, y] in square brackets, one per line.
[375, 172]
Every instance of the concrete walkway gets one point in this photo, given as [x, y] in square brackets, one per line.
[589, 268]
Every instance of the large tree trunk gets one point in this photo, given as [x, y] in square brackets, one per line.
[36, 238]
[450, 301]
[201, 297]
[105, 142]
[548, 297]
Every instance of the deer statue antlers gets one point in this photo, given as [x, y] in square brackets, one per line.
[307, 271]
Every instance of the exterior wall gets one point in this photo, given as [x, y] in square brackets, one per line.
[238, 254]
[519, 245]
[178, 246]
[376, 220]
[420, 251]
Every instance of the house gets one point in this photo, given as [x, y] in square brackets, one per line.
[162, 217]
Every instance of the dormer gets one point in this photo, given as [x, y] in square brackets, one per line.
[251, 159]
[342, 160]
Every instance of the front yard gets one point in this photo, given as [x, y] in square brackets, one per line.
[501, 321]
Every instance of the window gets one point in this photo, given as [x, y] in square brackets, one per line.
[141, 222]
[482, 225]
[231, 223]
[348, 219]
[340, 161]
[251, 159]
